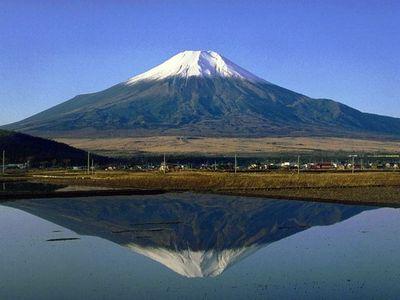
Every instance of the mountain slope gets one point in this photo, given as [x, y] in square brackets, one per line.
[201, 93]
[21, 148]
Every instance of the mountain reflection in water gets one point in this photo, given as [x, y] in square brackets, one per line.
[193, 235]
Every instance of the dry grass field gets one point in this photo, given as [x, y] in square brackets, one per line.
[221, 146]
[365, 187]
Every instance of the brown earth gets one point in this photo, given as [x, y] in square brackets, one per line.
[375, 188]
[221, 146]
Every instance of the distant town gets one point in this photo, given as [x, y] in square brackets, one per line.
[351, 162]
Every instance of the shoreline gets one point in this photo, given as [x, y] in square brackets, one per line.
[14, 196]
[377, 189]
[10, 197]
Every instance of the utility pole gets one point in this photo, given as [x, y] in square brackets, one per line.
[4, 162]
[165, 164]
[235, 163]
[92, 166]
[88, 162]
[352, 162]
[298, 164]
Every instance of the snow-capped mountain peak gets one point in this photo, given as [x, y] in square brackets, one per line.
[195, 63]
[201, 263]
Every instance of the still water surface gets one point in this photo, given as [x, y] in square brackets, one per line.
[197, 246]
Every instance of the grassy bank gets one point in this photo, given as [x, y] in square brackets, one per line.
[365, 187]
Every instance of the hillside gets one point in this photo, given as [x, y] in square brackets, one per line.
[201, 93]
[21, 148]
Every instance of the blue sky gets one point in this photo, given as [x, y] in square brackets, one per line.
[50, 51]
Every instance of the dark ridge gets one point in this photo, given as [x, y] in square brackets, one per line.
[22, 148]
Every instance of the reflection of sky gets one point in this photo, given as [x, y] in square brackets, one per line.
[358, 256]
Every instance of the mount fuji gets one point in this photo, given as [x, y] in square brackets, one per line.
[201, 93]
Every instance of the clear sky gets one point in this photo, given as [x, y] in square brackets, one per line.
[346, 50]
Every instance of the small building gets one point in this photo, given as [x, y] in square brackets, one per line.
[323, 166]
[164, 167]
[16, 166]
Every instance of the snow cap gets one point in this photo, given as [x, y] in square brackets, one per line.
[196, 63]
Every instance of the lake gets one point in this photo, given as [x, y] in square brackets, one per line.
[194, 246]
